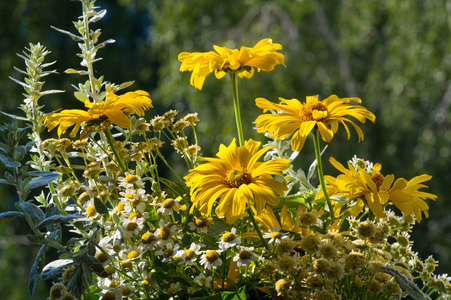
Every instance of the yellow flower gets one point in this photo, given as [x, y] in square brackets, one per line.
[378, 190]
[237, 179]
[263, 56]
[115, 109]
[301, 118]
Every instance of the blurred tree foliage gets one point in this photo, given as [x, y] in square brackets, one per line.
[392, 54]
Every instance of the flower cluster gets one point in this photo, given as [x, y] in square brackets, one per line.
[245, 224]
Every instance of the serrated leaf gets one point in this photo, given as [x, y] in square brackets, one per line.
[34, 272]
[11, 215]
[100, 206]
[54, 268]
[32, 210]
[58, 219]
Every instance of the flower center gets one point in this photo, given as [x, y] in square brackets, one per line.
[378, 179]
[109, 295]
[212, 256]
[228, 237]
[313, 111]
[245, 254]
[165, 233]
[131, 226]
[130, 179]
[237, 177]
[129, 196]
[125, 291]
[189, 254]
[168, 252]
[147, 238]
[133, 254]
[117, 248]
[168, 203]
[91, 211]
[201, 222]
[114, 284]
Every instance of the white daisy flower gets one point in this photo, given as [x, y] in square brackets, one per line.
[229, 239]
[168, 206]
[245, 256]
[169, 252]
[134, 200]
[211, 259]
[130, 181]
[190, 255]
[201, 280]
[200, 224]
[133, 226]
[275, 236]
[174, 288]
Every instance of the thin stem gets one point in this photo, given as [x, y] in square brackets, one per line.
[236, 106]
[251, 215]
[112, 144]
[319, 167]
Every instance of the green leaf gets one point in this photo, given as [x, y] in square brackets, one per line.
[34, 272]
[34, 211]
[81, 97]
[54, 268]
[238, 295]
[11, 215]
[100, 206]
[42, 180]
[58, 219]
[72, 36]
[176, 189]
[408, 286]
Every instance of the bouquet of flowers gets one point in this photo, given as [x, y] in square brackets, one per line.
[242, 225]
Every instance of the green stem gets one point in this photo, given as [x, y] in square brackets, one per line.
[319, 167]
[259, 232]
[236, 106]
[112, 144]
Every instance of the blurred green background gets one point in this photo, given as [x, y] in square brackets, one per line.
[392, 54]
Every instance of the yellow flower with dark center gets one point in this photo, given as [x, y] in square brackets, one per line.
[300, 119]
[236, 181]
[115, 109]
[263, 56]
[378, 190]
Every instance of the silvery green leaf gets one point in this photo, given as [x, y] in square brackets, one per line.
[34, 273]
[5, 181]
[15, 117]
[406, 285]
[73, 71]
[71, 35]
[100, 206]
[54, 268]
[34, 211]
[98, 16]
[43, 180]
[125, 85]
[58, 219]
[19, 82]
[11, 214]
[51, 92]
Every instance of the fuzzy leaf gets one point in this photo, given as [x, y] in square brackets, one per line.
[34, 211]
[43, 180]
[54, 268]
[72, 36]
[100, 206]
[34, 272]
[58, 219]
[11, 215]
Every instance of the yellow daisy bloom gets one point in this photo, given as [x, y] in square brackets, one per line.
[377, 190]
[236, 180]
[115, 109]
[300, 119]
[263, 56]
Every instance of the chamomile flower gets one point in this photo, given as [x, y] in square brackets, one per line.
[211, 259]
[200, 224]
[201, 280]
[174, 288]
[134, 226]
[275, 236]
[165, 233]
[130, 181]
[229, 239]
[168, 206]
[190, 255]
[245, 256]
[169, 252]
[134, 200]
